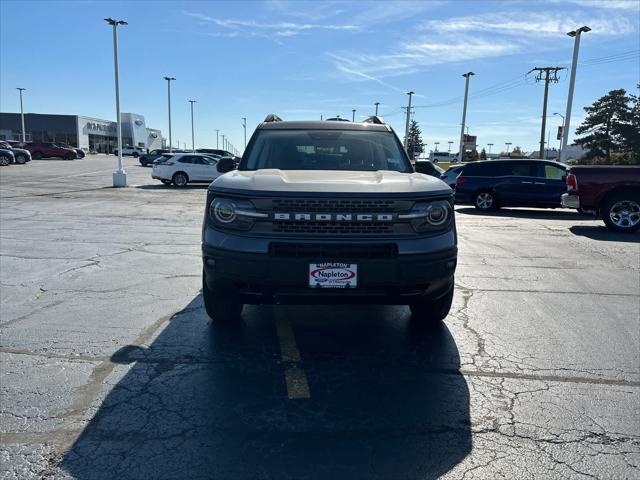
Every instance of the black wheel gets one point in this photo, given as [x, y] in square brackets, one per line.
[621, 212]
[21, 159]
[426, 311]
[485, 200]
[221, 306]
[36, 155]
[70, 156]
[4, 161]
[166, 182]
[143, 161]
[180, 179]
[136, 154]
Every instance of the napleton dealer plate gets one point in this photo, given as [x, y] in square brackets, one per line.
[333, 275]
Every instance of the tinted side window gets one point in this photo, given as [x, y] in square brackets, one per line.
[551, 172]
[522, 169]
[186, 160]
[485, 169]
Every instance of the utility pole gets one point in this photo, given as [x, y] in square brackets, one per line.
[467, 76]
[550, 75]
[406, 129]
[24, 135]
[244, 125]
[217, 139]
[169, 79]
[353, 115]
[193, 141]
[574, 64]
[377, 104]
[119, 176]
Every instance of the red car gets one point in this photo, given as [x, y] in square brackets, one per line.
[611, 192]
[48, 149]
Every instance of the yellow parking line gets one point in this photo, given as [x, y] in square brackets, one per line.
[295, 378]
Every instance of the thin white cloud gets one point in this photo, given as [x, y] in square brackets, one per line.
[416, 55]
[527, 24]
[269, 29]
[605, 4]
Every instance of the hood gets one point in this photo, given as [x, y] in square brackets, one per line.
[329, 181]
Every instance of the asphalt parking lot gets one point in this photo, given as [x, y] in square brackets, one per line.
[111, 369]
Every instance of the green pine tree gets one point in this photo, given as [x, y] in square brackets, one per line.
[415, 146]
[609, 127]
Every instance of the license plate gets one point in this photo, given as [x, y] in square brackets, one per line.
[333, 275]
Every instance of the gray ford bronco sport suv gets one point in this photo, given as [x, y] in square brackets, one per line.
[326, 212]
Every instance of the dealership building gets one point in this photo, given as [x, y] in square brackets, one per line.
[89, 133]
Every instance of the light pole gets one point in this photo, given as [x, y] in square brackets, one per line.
[169, 79]
[24, 134]
[508, 144]
[353, 115]
[119, 176]
[244, 125]
[467, 76]
[193, 141]
[450, 143]
[217, 144]
[560, 146]
[574, 64]
[223, 144]
[406, 128]
[436, 144]
[377, 104]
[490, 145]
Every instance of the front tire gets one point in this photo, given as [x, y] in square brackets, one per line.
[21, 159]
[136, 154]
[69, 156]
[221, 306]
[36, 155]
[431, 312]
[621, 212]
[4, 161]
[485, 201]
[180, 179]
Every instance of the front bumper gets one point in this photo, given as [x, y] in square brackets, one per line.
[266, 278]
[570, 201]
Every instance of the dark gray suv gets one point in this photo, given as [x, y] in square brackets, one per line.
[327, 212]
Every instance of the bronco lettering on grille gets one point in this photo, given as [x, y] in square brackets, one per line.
[335, 217]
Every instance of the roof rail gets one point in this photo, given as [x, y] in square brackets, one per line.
[272, 117]
[374, 119]
[337, 119]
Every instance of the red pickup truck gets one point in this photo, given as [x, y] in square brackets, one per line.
[608, 191]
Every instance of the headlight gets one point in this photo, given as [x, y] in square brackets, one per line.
[429, 216]
[234, 214]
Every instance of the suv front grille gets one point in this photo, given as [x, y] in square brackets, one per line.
[292, 250]
[333, 205]
[359, 228]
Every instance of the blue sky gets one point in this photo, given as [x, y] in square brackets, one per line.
[303, 59]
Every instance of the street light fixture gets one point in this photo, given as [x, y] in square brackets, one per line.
[169, 79]
[24, 135]
[119, 176]
[193, 141]
[377, 104]
[574, 64]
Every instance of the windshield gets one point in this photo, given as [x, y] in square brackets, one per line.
[325, 150]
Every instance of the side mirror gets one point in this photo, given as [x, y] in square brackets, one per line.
[226, 165]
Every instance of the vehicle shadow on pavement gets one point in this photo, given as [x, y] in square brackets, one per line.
[604, 234]
[162, 186]
[548, 214]
[204, 401]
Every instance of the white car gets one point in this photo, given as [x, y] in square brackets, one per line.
[182, 168]
[131, 151]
